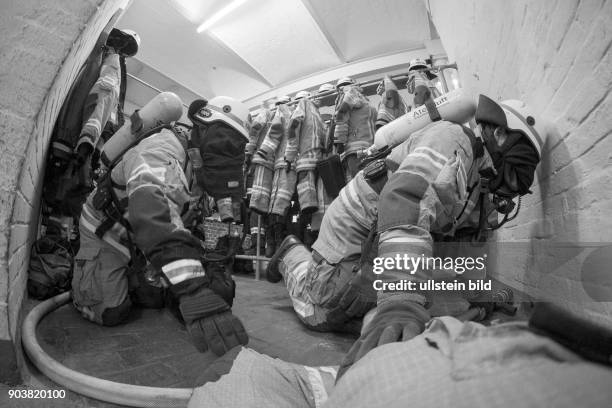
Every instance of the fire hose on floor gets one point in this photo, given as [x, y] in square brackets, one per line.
[103, 390]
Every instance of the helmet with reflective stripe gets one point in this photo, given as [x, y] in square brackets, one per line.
[521, 118]
[513, 115]
[223, 109]
[301, 95]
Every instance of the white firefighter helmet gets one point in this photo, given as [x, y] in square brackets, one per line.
[513, 115]
[281, 100]
[326, 88]
[521, 118]
[417, 64]
[301, 95]
[125, 41]
[345, 81]
[224, 109]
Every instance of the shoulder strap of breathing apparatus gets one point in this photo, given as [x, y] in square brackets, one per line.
[105, 199]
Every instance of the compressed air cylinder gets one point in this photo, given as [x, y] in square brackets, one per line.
[455, 106]
[163, 109]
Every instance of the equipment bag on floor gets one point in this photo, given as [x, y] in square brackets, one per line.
[51, 264]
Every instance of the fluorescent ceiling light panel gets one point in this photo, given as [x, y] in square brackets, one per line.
[219, 15]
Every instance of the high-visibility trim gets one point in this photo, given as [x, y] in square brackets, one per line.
[183, 269]
[443, 159]
[428, 158]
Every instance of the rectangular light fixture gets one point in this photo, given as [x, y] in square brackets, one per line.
[219, 15]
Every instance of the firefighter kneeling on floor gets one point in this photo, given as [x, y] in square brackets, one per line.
[428, 189]
[134, 246]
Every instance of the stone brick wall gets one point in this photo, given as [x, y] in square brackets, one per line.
[42, 46]
[555, 55]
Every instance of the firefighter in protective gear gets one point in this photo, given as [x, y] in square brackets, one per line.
[354, 129]
[420, 83]
[221, 135]
[133, 219]
[391, 105]
[429, 187]
[420, 199]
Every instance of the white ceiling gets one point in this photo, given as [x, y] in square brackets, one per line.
[266, 48]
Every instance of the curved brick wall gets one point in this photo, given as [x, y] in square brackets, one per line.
[42, 46]
[556, 56]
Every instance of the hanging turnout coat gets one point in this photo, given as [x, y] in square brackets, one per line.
[305, 147]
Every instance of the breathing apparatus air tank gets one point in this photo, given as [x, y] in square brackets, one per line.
[163, 109]
[455, 106]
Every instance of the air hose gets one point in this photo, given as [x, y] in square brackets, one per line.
[103, 390]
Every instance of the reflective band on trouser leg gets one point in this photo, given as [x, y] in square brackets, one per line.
[183, 269]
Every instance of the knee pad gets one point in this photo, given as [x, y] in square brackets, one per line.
[113, 316]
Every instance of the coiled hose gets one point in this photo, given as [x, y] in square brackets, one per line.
[103, 390]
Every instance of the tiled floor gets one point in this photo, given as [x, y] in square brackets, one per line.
[154, 349]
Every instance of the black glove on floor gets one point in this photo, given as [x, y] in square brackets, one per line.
[210, 321]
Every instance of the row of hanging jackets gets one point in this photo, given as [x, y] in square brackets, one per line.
[286, 143]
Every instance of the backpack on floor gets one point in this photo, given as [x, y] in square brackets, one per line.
[51, 265]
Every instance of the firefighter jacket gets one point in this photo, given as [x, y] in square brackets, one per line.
[306, 139]
[355, 119]
[258, 130]
[101, 101]
[152, 190]
[428, 191]
[391, 105]
[272, 149]
[434, 190]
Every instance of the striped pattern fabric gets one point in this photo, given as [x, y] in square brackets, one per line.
[284, 182]
[258, 380]
[101, 102]
[304, 148]
[182, 270]
[307, 190]
[261, 189]
[347, 221]
[424, 195]
[258, 130]
[306, 141]
[391, 105]
[355, 119]
[156, 190]
[283, 187]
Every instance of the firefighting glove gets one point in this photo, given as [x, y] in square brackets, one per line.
[208, 318]
[395, 320]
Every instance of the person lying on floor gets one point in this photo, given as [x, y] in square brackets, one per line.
[451, 364]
